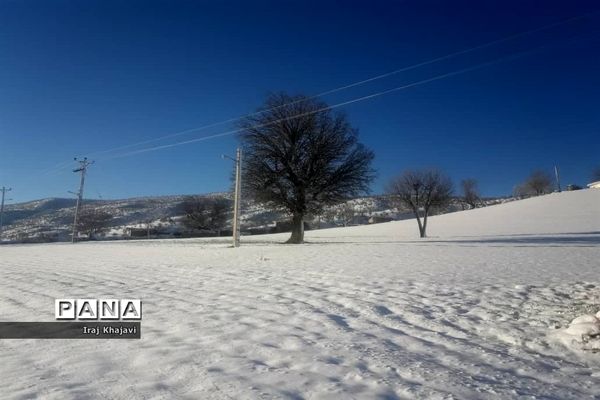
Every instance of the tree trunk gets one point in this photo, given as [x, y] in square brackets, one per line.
[297, 229]
[423, 230]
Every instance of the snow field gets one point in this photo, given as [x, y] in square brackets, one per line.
[478, 310]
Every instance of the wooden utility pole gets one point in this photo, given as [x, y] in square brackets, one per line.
[237, 200]
[4, 190]
[83, 164]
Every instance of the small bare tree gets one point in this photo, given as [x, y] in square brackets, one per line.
[218, 215]
[329, 214]
[92, 221]
[470, 192]
[346, 213]
[422, 191]
[520, 191]
[201, 213]
[539, 182]
[195, 212]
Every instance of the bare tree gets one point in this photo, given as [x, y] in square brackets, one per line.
[346, 213]
[470, 192]
[195, 210]
[520, 191]
[422, 191]
[539, 182]
[218, 215]
[201, 213]
[301, 157]
[92, 221]
[329, 214]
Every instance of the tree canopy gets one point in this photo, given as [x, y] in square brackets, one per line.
[300, 156]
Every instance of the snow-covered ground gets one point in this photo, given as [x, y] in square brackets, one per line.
[477, 310]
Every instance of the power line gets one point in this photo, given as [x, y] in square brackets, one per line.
[355, 100]
[59, 166]
[358, 99]
[358, 83]
[62, 166]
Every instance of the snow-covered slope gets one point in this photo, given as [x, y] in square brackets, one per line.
[477, 310]
[566, 212]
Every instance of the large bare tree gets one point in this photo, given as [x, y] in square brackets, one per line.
[300, 157]
[422, 191]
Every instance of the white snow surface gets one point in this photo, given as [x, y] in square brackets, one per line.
[478, 310]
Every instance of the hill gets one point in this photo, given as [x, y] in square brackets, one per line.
[566, 212]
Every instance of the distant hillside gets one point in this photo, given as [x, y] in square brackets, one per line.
[51, 219]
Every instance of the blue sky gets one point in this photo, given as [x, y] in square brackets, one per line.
[80, 77]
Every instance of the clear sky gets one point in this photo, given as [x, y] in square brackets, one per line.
[78, 77]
